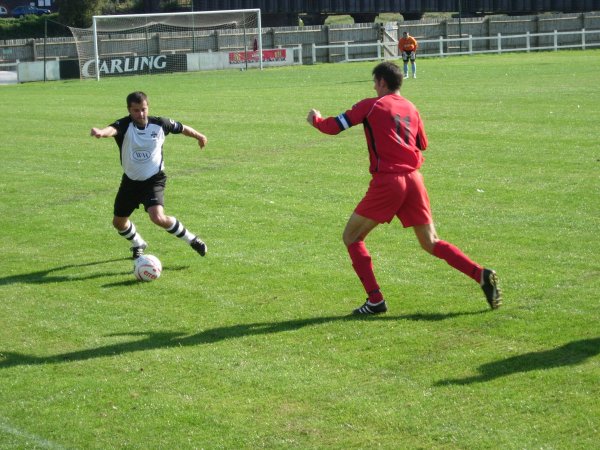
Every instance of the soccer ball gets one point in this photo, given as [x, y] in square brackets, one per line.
[147, 268]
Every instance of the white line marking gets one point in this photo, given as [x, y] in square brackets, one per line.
[4, 427]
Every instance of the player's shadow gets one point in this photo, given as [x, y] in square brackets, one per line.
[160, 340]
[570, 354]
[366, 80]
[54, 275]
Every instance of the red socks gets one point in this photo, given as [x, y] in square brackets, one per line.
[457, 259]
[363, 266]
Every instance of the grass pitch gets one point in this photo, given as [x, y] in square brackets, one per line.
[251, 346]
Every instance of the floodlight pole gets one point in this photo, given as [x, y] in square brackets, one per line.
[45, 38]
[460, 24]
[193, 28]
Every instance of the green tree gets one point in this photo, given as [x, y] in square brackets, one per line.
[151, 6]
[78, 13]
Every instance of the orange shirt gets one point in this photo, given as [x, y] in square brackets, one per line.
[407, 44]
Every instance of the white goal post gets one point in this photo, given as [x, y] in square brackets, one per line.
[131, 44]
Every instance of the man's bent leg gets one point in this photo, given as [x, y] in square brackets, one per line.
[176, 228]
[428, 239]
[486, 278]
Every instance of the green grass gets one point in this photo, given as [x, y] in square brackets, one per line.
[251, 346]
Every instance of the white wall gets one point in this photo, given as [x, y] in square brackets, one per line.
[34, 71]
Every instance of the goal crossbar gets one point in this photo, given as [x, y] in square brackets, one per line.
[188, 13]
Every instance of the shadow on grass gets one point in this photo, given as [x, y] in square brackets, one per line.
[160, 340]
[570, 354]
[52, 275]
[364, 81]
[132, 280]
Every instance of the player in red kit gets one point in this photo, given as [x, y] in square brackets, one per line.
[396, 139]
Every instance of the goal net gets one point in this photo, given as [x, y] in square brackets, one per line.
[135, 44]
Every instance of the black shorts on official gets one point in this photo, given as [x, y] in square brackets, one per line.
[409, 55]
[134, 193]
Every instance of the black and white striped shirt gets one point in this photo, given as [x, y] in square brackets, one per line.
[142, 149]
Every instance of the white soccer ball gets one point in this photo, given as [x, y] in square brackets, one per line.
[147, 268]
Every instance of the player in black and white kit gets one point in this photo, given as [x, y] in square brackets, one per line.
[140, 138]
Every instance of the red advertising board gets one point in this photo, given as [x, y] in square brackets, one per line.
[252, 56]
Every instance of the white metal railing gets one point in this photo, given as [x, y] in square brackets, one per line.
[451, 46]
[347, 46]
[296, 53]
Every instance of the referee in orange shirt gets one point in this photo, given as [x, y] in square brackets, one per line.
[407, 48]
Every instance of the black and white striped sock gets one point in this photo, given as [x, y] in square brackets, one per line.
[181, 232]
[131, 234]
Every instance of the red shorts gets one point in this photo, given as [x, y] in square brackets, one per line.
[403, 196]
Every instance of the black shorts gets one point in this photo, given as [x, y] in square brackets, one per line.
[412, 55]
[132, 193]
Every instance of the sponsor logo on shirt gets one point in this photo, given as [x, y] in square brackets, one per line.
[140, 155]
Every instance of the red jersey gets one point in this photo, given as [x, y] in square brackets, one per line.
[393, 128]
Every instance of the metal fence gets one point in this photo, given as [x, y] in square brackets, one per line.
[557, 40]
